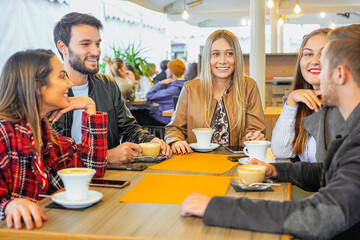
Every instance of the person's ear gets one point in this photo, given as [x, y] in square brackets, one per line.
[341, 74]
[62, 47]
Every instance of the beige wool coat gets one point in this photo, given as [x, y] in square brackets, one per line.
[190, 114]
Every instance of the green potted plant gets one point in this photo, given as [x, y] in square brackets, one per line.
[133, 55]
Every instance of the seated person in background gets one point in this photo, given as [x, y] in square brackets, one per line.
[289, 138]
[163, 97]
[192, 72]
[223, 98]
[162, 75]
[333, 212]
[130, 70]
[146, 82]
[32, 85]
[123, 78]
[77, 38]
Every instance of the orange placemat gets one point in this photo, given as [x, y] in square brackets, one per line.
[173, 189]
[197, 162]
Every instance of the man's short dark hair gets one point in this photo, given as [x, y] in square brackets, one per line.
[344, 49]
[163, 65]
[62, 30]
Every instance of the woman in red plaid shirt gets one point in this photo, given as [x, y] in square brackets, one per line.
[33, 88]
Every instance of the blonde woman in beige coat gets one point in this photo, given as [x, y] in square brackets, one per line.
[222, 98]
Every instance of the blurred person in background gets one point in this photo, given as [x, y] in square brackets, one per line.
[163, 96]
[162, 75]
[135, 79]
[124, 79]
[192, 72]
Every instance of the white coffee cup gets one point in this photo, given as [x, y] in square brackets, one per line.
[203, 136]
[256, 149]
[76, 182]
[249, 174]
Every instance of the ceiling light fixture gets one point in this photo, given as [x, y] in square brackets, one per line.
[185, 14]
[270, 4]
[243, 22]
[333, 25]
[322, 14]
[297, 8]
[281, 20]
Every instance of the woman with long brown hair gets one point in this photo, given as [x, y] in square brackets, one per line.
[33, 89]
[222, 98]
[289, 138]
[125, 79]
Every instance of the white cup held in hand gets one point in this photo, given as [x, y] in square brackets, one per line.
[256, 149]
[76, 182]
[203, 136]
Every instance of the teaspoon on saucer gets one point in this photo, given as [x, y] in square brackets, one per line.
[264, 184]
[44, 195]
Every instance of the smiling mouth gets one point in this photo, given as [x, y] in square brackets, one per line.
[315, 71]
[92, 59]
[222, 68]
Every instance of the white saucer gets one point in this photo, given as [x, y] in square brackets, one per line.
[236, 182]
[245, 160]
[212, 147]
[93, 197]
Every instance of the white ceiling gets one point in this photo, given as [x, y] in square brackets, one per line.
[228, 13]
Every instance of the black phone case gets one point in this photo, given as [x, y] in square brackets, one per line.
[92, 184]
[149, 159]
[237, 157]
[119, 166]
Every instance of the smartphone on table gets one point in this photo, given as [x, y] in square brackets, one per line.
[126, 166]
[98, 182]
[235, 149]
[236, 158]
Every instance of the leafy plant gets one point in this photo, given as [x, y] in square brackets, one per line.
[102, 67]
[133, 55]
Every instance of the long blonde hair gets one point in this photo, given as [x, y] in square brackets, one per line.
[22, 76]
[115, 65]
[301, 135]
[238, 100]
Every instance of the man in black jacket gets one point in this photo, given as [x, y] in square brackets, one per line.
[77, 38]
[333, 212]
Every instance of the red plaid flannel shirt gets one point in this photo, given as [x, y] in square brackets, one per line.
[19, 177]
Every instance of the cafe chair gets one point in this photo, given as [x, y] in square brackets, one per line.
[158, 131]
[175, 100]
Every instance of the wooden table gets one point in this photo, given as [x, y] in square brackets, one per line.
[110, 219]
[272, 112]
[168, 113]
[271, 116]
[269, 112]
[141, 102]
